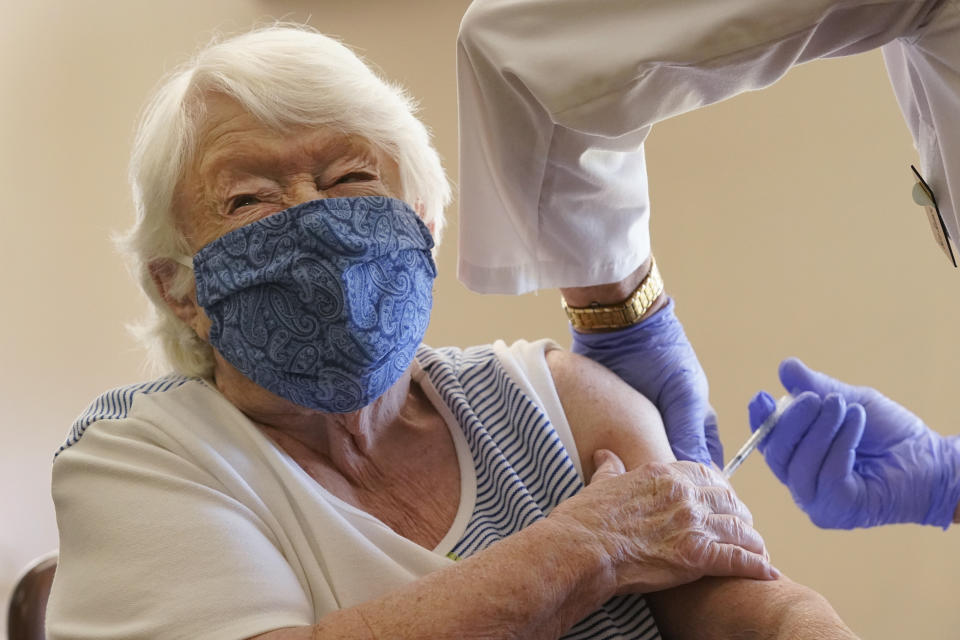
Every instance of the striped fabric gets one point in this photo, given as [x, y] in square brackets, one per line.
[115, 405]
[522, 469]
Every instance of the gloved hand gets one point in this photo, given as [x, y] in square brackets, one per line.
[655, 358]
[853, 458]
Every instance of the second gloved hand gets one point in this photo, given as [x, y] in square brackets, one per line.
[655, 358]
[853, 458]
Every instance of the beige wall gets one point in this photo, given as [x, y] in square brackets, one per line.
[782, 222]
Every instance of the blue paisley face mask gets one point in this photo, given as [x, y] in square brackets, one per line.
[323, 304]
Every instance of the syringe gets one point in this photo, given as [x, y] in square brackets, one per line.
[757, 436]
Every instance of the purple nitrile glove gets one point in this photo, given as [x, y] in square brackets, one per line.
[655, 358]
[853, 458]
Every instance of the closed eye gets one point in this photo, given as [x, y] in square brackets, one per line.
[356, 176]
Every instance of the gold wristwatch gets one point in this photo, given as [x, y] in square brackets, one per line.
[622, 314]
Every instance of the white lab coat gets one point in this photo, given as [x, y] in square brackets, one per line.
[557, 97]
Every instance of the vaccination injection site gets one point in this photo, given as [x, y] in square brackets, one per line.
[481, 320]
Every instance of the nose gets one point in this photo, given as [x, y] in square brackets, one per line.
[304, 190]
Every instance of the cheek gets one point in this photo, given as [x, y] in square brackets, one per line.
[247, 216]
[359, 189]
[206, 223]
[198, 216]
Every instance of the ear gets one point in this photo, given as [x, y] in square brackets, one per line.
[163, 271]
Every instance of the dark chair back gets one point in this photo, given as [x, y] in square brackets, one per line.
[28, 602]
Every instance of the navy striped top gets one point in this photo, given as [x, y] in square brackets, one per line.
[522, 469]
[115, 405]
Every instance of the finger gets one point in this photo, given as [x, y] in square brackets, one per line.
[778, 447]
[683, 403]
[733, 560]
[608, 465]
[760, 408]
[728, 529]
[797, 377]
[712, 433]
[838, 464]
[803, 470]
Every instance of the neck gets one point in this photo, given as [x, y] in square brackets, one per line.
[394, 459]
[324, 433]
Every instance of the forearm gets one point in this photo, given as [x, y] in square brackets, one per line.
[952, 443]
[739, 609]
[534, 584]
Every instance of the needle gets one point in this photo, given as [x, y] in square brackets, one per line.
[757, 436]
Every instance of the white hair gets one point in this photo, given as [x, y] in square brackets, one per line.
[286, 76]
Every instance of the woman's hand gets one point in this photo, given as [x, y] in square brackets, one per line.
[666, 524]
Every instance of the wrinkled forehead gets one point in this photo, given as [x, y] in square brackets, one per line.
[229, 141]
[227, 134]
[238, 157]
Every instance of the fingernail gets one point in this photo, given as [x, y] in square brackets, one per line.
[774, 572]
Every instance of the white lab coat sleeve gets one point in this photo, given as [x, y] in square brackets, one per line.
[557, 97]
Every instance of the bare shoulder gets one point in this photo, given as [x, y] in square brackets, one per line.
[604, 412]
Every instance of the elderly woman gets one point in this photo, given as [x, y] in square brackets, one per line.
[312, 470]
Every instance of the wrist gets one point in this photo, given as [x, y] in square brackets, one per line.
[946, 482]
[616, 305]
[951, 468]
[584, 554]
[609, 293]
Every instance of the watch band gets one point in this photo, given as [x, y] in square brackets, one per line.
[622, 314]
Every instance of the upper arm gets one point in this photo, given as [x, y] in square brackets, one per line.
[604, 412]
[153, 546]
